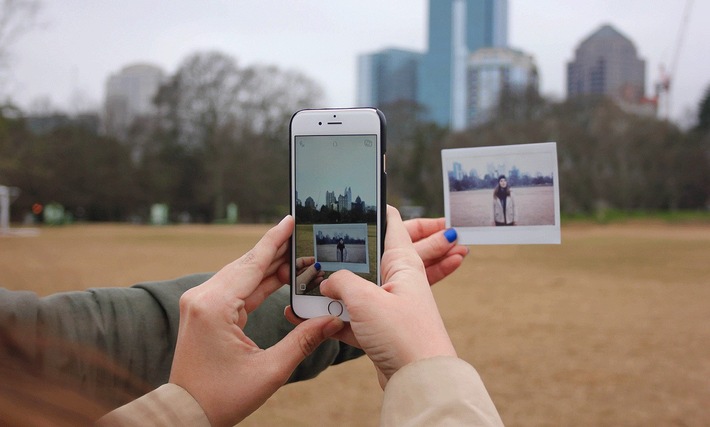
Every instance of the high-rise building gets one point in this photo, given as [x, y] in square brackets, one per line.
[330, 200]
[606, 63]
[457, 173]
[387, 76]
[345, 201]
[129, 94]
[456, 29]
[493, 72]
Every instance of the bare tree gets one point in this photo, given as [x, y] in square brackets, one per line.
[16, 18]
[233, 118]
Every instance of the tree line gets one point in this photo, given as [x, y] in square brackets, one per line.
[220, 136]
[328, 215]
[514, 178]
[608, 158]
[328, 240]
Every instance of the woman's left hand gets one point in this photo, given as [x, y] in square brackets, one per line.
[436, 246]
[226, 373]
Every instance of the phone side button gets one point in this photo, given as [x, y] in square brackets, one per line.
[335, 308]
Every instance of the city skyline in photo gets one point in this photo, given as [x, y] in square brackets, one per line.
[334, 164]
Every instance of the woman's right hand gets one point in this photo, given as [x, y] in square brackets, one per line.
[398, 323]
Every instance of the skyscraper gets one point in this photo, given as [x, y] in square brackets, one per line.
[387, 76]
[129, 94]
[456, 29]
[606, 63]
[491, 73]
[330, 199]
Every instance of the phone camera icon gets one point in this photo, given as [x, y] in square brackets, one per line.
[368, 143]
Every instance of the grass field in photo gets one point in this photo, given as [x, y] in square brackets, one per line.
[474, 208]
[353, 253]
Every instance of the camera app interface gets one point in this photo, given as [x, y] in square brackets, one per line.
[336, 208]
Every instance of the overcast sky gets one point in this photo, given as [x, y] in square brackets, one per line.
[80, 42]
[349, 163]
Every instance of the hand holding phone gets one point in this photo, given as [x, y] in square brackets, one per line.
[406, 301]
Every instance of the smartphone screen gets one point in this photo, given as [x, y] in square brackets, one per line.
[336, 202]
[336, 206]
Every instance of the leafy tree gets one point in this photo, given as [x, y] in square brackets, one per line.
[89, 175]
[516, 105]
[607, 157]
[704, 113]
[413, 157]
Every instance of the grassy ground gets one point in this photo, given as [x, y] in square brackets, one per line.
[609, 328]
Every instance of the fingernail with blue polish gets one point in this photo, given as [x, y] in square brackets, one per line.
[450, 235]
[317, 266]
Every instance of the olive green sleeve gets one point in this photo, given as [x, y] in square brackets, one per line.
[120, 341]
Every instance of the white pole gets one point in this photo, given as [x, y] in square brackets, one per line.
[4, 209]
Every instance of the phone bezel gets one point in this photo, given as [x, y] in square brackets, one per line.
[337, 121]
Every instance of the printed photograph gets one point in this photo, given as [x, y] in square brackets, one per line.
[503, 195]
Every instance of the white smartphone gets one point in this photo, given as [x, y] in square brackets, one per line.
[338, 201]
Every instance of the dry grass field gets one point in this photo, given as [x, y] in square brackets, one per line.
[611, 328]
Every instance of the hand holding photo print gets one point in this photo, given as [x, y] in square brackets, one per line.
[502, 195]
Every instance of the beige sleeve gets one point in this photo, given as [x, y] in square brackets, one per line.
[441, 391]
[168, 405]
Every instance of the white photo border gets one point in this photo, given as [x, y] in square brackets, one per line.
[492, 235]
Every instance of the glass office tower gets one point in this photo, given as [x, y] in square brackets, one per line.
[456, 29]
[386, 77]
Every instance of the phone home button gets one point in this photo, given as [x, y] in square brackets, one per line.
[335, 308]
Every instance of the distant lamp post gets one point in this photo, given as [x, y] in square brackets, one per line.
[7, 196]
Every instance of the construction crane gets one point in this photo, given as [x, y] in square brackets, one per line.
[664, 84]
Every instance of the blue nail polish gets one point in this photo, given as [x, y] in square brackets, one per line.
[450, 235]
[317, 266]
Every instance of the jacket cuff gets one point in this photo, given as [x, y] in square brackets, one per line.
[438, 391]
[168, 405]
